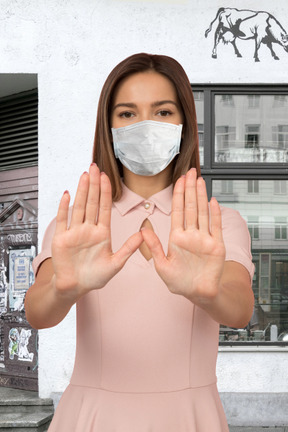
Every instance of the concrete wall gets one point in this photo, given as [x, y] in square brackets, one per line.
[72, 46]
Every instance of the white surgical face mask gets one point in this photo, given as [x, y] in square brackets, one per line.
[146, 148]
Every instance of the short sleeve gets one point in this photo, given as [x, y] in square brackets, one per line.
[237, 239]
[46, 251]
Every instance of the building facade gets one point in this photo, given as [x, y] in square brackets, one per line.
[236, 58]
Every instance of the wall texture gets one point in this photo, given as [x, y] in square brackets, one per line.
[72, 46]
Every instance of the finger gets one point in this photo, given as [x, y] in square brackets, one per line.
[154, 245]
[105, 205]
[93, 194]
[128, 248]
[202, 203]
[62, 214]
[177, 213]
[79, 205]
[191, 221]
[216, 219]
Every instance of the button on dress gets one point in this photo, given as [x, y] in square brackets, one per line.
[145, 358]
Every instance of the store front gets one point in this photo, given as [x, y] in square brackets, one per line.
[18, 235]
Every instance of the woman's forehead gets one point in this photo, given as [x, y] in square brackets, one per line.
[145, 85]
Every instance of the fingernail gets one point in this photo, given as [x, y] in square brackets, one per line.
[102, 172]
[66, 192]
[93, 164]
[85, 172]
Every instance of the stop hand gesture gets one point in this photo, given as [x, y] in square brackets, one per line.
[195, 260]
[81, 253]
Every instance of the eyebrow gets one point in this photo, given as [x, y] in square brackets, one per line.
[154, 104]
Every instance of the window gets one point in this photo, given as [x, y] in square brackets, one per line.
[253, 101]
[227, 100]
[280, 101]
[282, 136]
[256, 136]
[244, 163]
[253, 226]
[280, 228]
[280, 187]
[227, 187]
[253, 186]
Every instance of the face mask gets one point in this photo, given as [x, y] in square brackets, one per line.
[146, 148]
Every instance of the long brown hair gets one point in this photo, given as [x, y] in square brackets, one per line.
[103, 153]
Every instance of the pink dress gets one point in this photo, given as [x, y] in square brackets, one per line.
[145, 358]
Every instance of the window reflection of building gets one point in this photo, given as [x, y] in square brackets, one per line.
[282, 136]
[253, 186]
[253, 226]
[280, 101]
[280, 228]
[227, 100]
[253, 101]
[199, 105]
[243, 134]
[266, 215]
[252, 136]
[245, 157]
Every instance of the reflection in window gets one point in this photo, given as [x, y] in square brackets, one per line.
[253, 101]
[253, 186]
[280, 187]
[253, 136]
[266, 217]
[280, 228]
[198, 95]
[201, 142]
[280, 101]
[282, 136]
[227, 100]
[227, 187]
[253, 226]
[199, 106]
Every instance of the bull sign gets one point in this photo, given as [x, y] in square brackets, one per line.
[245, 24]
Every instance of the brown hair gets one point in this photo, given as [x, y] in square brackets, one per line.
[103, 153]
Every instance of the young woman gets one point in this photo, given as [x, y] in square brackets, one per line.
[153, 268]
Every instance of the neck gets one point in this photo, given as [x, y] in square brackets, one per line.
[147, 186]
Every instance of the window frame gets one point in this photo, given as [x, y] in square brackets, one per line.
[211, 170]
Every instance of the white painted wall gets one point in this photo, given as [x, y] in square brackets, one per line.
[72, 45]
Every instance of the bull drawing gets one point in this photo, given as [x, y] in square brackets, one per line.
[246, 24]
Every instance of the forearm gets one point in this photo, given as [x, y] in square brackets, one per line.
[233, 304]
[45, 307]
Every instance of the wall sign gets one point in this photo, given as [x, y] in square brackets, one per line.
[21, 275]
[245, 24]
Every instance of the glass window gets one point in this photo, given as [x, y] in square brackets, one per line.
[199, 106]
[253, 186]
[253, 101]
[245, 135]
[266, 217]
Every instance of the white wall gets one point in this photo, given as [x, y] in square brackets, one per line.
[72, 45]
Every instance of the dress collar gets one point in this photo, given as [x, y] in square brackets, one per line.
[130, 200]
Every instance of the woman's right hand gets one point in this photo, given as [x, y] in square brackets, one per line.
[81, 253]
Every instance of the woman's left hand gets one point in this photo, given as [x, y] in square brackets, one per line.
[195, 260]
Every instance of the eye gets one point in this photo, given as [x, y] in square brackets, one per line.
[164, 113]
[126, 115]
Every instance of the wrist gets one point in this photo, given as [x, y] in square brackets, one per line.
[67, 295]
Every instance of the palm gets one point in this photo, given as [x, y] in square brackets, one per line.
[195, 259]
[82, 256]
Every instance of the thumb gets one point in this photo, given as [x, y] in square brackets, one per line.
[154, 244]
[128, 248]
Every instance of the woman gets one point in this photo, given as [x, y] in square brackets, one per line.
[140, 232]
